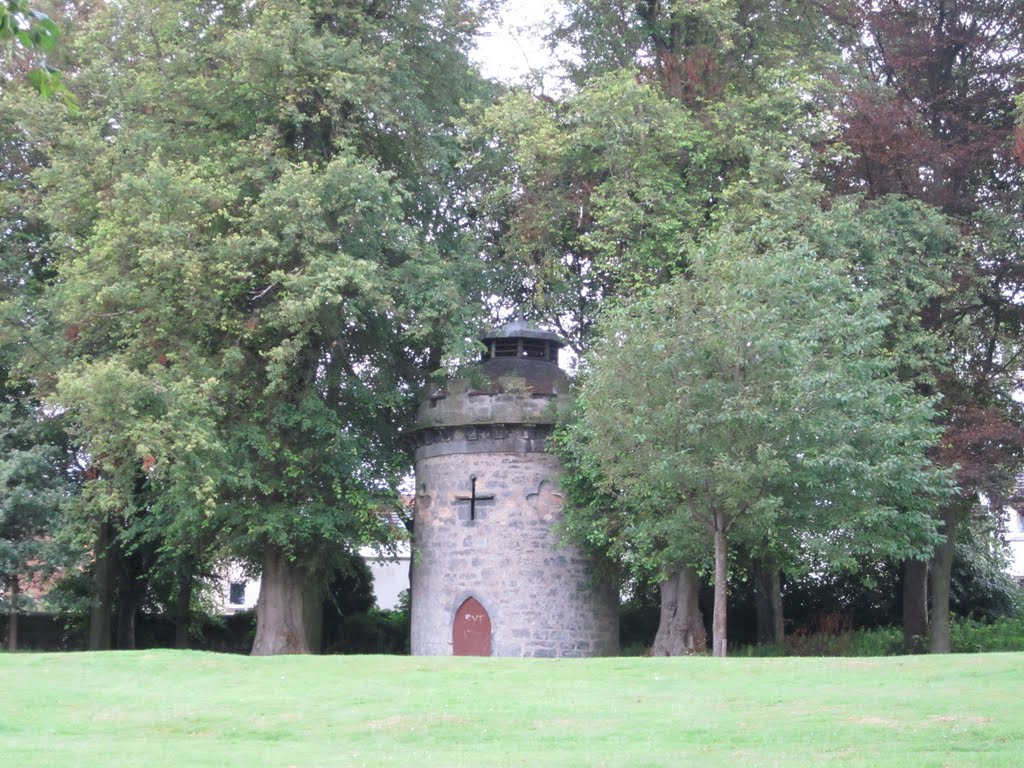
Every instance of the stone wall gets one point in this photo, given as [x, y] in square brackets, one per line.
[538, 592]
[503, 391]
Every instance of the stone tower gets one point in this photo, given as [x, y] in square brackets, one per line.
[490, 575]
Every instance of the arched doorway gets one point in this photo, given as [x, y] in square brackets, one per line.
[471, 630]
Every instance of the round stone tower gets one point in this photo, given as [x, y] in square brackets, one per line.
[490, 575]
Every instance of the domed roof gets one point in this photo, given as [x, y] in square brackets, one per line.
[522, 329]
[520, 339]
[516, 383]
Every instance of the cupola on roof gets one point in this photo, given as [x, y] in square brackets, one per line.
[522, 339]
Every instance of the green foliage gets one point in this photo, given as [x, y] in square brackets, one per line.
[350, 591]
[879, 641]
[781, 94]
[32, 28]
[34, 454]
[1004, 635]
[33, 484]
[882, 641]
[259, 259]
[596, 197]
[903, 250]
[981, 587]
[37, 33]
[593, 195]
[237, 264]
[635, 649]
[750, 377]
[695, 51]
[754, 397]
[373, 631]
[971, 636]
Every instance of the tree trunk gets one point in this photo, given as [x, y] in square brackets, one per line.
[103, 601]
[718, 625]
[128, 599]
[127, 610]
[941, 573]
[183, 607]
[279, 614]
[915, 605]
[12, 619]
[313, 614]
[768, 593]
[681, 625]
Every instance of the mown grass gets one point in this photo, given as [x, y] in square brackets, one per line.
[172, 708]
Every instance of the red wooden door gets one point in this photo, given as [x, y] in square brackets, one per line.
[471, 630]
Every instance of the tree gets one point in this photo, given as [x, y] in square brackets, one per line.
[595, 197]
[260, 258]
[590, 198]
[34, 451]
[695, 52]
[759, 405]
[602, 522]
[930, 114]
[601, 194]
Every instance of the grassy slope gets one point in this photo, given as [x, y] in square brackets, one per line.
[170, 708]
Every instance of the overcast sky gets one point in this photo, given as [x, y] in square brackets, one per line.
[513, 46]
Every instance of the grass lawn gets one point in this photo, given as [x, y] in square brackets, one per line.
[174, 708]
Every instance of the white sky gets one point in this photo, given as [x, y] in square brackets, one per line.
[509, 49]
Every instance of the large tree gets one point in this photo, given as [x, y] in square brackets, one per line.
[602, 193]
[753, 398]
[589, 198]
[260, 257]
[696, 52]
[929, 114]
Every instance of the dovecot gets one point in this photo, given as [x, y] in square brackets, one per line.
[490, 574]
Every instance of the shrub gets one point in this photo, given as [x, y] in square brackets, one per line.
[635, 649]
[1003, 634]
[375, 631]
[967, 636]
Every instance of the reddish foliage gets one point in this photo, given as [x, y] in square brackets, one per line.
[980, 441]
[890, 143]
[690, 78]
[937, 124]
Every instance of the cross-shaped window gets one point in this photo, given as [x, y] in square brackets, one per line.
[474, 499]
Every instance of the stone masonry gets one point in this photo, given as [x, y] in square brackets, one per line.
[494, 539]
